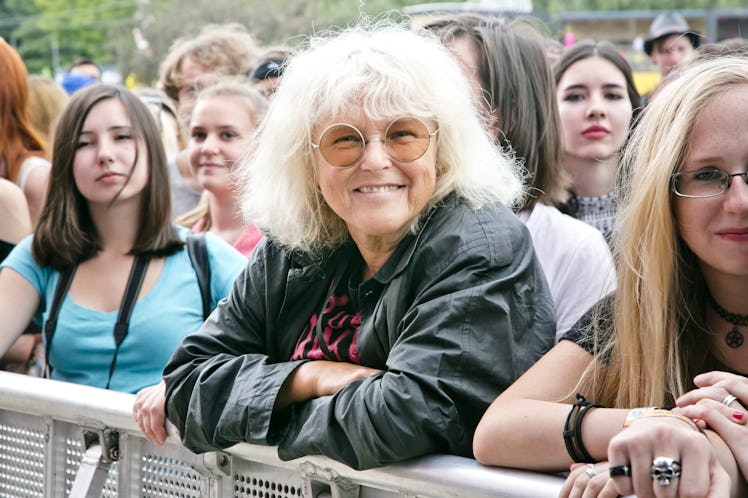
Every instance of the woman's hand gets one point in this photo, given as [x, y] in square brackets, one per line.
[717, 386]
[588, 480]
[727, 420]
[637, 446]
[318, 378]
[329, 377]
[150, 413]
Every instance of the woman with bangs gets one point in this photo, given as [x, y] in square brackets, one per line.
[672, 335]
[395, 293]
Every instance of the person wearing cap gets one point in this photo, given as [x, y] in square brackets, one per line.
[266, 75]
[670, 41]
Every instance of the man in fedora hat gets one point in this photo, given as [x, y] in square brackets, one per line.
[670, 41]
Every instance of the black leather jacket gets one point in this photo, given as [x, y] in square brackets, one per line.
[456, 314]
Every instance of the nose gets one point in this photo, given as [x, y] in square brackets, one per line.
[736, 197]
[375, 155]
[211, 145]
[596, 106]
[104, 153]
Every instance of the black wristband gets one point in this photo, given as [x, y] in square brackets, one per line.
[573, 430]
[582, 451]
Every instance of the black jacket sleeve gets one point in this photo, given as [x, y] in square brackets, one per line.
[451, 329]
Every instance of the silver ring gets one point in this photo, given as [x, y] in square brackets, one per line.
[729, 399]
[664, 469]
[590, 470]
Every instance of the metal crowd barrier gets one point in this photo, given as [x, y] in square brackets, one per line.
[65, 440]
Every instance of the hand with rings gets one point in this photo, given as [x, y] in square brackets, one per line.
[726, 388]
[719, 401]
[665, 457]
[588, 480]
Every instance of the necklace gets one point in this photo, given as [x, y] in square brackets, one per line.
[734, 338]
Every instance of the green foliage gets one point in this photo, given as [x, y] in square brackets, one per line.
[53, 33]
[57, 32]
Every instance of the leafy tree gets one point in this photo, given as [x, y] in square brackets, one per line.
[70, 29]
[161, 22]
[135, 35]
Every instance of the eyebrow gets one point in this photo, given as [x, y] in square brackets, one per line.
[582, 86]
[219, 127]
[111, 128]
[708, 158]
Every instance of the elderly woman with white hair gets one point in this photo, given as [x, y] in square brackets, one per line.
[395, 295]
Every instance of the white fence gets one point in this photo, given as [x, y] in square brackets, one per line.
[44, 453]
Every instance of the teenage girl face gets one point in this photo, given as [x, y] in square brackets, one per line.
[109, 165]
[221, 129]
[594, 108]
[716, 228]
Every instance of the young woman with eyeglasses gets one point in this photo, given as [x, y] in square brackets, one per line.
[396, 294]
[679, 314]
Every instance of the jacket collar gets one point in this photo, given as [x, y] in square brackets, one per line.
[405, 250]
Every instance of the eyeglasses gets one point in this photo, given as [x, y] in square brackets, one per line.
[405, 139]
[703, 183]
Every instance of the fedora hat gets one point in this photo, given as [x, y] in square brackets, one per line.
[666, 24]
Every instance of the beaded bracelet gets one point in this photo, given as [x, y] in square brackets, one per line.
[573, 430]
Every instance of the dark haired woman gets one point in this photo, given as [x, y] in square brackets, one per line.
[105, 226]
[597, 103]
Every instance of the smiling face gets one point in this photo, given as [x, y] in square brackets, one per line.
[221, 129]
[378, 197]
[594, 108]
[107, 154]
[716, 228]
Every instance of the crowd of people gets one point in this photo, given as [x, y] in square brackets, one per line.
[391, 241]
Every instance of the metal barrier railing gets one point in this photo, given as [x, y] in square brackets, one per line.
[65, 440]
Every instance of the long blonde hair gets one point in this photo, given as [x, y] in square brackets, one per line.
[659, 341]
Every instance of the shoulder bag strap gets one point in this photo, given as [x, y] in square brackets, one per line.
[63, 285]
[134, 283]
[197, 250]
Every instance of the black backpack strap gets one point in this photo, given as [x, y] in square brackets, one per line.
[134, 283]
[197, 250]
[63, 285]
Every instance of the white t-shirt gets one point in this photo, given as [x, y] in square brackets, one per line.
[31, 163]
[576, 260]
